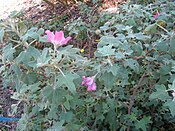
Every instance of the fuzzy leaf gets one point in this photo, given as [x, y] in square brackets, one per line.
[160, 93]
[108, 79]
[8, 53]
[54, 96]
[108, 40]
[151, 29]
[171, 105]
[133, 64]
[172, 46]
[143, 123]
[106, 51]
[68, 80]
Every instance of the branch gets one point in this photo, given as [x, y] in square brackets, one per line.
[134, 93]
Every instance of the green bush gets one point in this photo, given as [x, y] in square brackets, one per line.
[133, 68]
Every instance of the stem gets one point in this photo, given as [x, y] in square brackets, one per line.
[54, 52]
[17, 46]
[134, 92]
[54, 85]
[63, 108]
[133, 95]
[162, 28]
[32, 42]
[14, 40]
[49, 3]
[61, 71]
[109, 61]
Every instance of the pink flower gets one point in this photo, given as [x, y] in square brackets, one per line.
[156, 15]
[57, 39]
[89, 82]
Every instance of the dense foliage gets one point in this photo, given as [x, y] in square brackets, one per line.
[132, 68]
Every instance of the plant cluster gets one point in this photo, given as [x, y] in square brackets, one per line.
[128, 84]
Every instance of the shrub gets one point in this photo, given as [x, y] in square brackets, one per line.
[127, 85]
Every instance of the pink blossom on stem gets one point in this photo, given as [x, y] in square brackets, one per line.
[89, 82]
[156, 15]
[57, 39]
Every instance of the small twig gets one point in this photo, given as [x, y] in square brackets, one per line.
[49, 3]
[162, 28]
[32, 42]
[134, 92]
[61, 71]
[62, 106]
[133, 95]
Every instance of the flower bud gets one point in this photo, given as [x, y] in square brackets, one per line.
[98, 32]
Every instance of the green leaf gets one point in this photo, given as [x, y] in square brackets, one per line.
[131, 22]
[34, 35]
[133, 64]
[108, 40]
[57, 126]
[43, 38]
[113, 69]
[28, 57]
[40, 31]
[8, 53]
[106, 50]
[32, 88]
[119, 55]
[171, 106]
[137, 49]
[22, 27]
[164, 70]
[70, 52]
[160, 93]
[29, 78]
[52, 114]
[72, 127]
[162, 46]
[68, 80]
[143, 123]
[108, 79]
[66, 116]
[163, 79]
[67, 103]
[43, 59]
[31, 33]
[172, 87]
[172, 46]
[16, 69]
[151, 29]
[55, 96]
[142, 37]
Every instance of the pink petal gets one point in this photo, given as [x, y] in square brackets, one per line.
[59, 36]
[83, 80]
[93, 87]
[156, 15]
[89, 81]
[89, 88]
[83, 77]
[50, 36]
[83, 83]
[63, 42]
